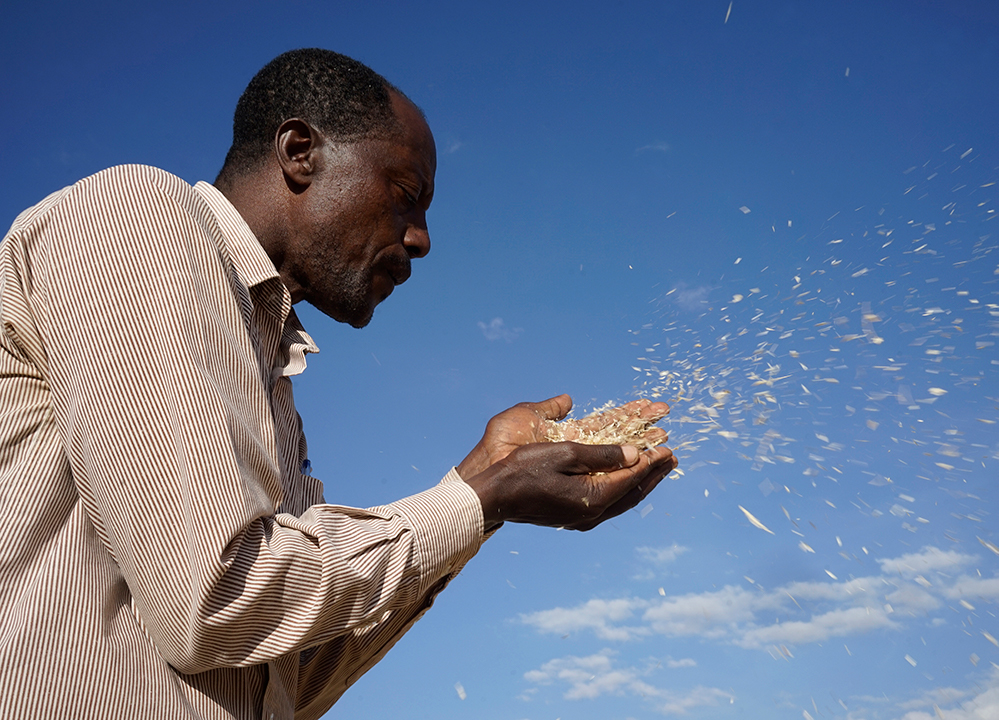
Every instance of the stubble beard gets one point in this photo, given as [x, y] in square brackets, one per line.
[349, 298]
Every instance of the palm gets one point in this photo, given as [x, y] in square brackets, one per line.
[522, 424]
[528, 423]
[630, 424]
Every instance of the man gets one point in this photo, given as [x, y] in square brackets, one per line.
[168, 554]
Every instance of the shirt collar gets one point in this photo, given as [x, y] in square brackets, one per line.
[248, 255]
[255, 268]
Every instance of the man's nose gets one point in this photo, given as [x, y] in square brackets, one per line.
[417, 240]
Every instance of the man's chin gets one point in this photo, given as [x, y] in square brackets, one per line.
[361, 323]
[354, 309]
[355, 317]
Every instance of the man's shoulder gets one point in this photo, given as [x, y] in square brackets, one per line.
[133, 182]
[114, 187]
[135, 216]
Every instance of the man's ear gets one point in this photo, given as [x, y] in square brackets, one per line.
[296, 145]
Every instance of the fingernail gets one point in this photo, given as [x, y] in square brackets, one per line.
[630, 454]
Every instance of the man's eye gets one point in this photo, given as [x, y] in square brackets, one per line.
[410, 197]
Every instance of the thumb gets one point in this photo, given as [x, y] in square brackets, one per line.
[587, 459]
[554, 408]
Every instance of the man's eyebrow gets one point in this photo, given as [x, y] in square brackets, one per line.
[415, 170]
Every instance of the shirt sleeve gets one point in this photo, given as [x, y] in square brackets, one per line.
[325, 672]
[158, 394]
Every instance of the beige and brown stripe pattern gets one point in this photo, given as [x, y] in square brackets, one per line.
[163, 554]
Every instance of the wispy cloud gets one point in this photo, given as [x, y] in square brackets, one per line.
[602, 617]
[496, 329]
[950, 703]
[710, 615]
[653, 147]
[929, 560]
[941, 696]
[693, 299]
[973, 588]
[819, 628]
[670, 702]
[595, 675]
[911, 588]
[662, 556]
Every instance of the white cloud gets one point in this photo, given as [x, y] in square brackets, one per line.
[675, 703]
[796, 613]
[587, 677]
[496, 329]
[921, 587]
[912, 599]
[937, 696]
[837, 623]
[662, 556]
[907, 595]
[691, 298]
[928, 560]
[974, 588]
[856, 590]
[595, 675]
[712, 614]
[949, 703]
[653, 147]
[596, 615]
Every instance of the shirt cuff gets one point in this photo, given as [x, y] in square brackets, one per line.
[448, 521]
[453, 476]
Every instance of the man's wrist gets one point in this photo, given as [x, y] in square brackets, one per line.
[474, 463]
[485, 484]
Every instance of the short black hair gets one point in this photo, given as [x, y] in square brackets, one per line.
[338, 95]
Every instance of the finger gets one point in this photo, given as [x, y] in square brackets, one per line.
[579, 459]
[554, 408]
[628, 485]
[654, 436]
[656, 473]
[645, 410]
[649, 463]
[613, 416]
[649, 479]
[657, 410]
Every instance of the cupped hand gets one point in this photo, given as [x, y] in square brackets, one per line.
[568, 484]
[529, 422]
[523, 424]
[632, 423]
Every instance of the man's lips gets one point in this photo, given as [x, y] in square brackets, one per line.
[399, 269]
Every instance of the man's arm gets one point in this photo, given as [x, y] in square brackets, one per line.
[519, 477]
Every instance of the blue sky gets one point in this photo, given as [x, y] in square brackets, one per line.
[777, 215]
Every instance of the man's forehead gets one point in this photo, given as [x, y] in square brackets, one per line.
[414, 127]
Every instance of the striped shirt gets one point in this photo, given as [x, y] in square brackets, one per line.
[164, 555]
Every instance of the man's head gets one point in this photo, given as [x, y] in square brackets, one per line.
[345, 99]
[333, 170]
